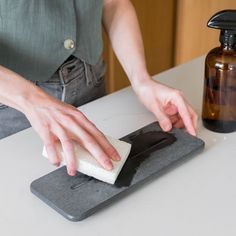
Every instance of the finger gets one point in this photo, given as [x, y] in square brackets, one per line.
[184, 114]
[194, 116]
[162, 118]
[97, 152]
[51, 148]
[52, 153]
[106, 146]
[68, 149]
[101, 139]
[89, 143]
[70, 156]
[179, 124]
[171, 109]
[174, 119]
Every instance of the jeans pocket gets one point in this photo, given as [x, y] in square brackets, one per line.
[70, 70]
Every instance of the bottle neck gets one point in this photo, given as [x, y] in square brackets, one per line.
[228, 40]
[228, 47]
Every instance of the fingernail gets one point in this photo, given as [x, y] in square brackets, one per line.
[108, 165]
[194, 133]
[167, 127]
[116, 157]
[57, 164]
[72, 172]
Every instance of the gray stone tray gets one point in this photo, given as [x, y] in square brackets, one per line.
[153, 153]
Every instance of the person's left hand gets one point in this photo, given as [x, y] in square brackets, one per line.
[168, 105]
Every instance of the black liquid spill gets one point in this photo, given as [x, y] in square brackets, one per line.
[143, 144]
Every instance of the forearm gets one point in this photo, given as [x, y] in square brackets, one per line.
[121, 24]
[17, 92]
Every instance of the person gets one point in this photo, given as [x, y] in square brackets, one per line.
[51, 63]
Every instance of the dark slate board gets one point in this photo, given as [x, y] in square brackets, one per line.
[80, 196]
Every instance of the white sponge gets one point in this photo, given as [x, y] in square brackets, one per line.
[89, 166]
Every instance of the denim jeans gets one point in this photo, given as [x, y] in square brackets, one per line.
[75, 82]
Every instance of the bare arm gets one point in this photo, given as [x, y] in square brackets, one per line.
[122, 26]
[14, 90]
[168, 104]
[55, 121]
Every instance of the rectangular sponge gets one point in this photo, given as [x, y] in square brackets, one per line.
[89, 166]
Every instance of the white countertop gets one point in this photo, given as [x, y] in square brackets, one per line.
[197, 198]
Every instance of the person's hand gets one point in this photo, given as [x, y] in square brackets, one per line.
[56, 121]
[168, 105]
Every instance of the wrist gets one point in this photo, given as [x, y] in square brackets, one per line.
[139, 79]
[19, 93]
[31, 97]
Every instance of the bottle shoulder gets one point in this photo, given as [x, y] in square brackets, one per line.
[220, 56]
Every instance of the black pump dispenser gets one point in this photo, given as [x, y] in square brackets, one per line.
[219, 99]
[226, 22]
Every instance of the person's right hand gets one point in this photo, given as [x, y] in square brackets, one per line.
[56, 121]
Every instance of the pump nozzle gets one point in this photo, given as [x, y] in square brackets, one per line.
[226, 22]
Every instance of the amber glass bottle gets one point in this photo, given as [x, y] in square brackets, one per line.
[219, 97]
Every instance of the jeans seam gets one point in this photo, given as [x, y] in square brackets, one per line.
[63, 95]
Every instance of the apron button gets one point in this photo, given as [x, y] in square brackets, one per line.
[69, 44]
